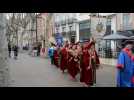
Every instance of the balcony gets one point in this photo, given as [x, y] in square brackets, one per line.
[126, 27]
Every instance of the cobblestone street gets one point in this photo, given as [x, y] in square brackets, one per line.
[38, 72]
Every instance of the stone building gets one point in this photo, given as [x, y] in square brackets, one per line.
[45, 30]
[98, 28]
[72, 26]
[41, 28]
[66, 24]
[125, 21]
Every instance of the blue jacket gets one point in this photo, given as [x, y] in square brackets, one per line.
[50, 51]
[125, 69]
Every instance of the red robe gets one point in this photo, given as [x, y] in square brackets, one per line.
[56, 58]
[73, 66]
[64, 59]
[86, 75]
[95, 65]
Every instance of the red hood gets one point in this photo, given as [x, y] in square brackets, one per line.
[128, 51]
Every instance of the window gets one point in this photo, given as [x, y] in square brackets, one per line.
[70, 28]
[108, 21]
[84, 25]
[63, 29]
[126, 18]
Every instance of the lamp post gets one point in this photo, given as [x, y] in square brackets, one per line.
[90, 23]
[36, 28]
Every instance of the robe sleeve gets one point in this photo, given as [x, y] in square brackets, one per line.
[121, 61]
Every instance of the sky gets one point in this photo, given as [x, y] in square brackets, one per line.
[105, 14]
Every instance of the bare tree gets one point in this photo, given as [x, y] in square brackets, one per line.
[16, 22]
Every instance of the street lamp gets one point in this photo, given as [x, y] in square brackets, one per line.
[36, 27]
[91, 14]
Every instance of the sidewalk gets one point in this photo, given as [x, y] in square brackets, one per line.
[108, 61]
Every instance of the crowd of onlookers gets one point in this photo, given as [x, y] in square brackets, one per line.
[35, 50]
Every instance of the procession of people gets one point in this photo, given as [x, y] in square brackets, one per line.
[76, 58]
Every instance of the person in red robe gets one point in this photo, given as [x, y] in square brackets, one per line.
[89, 63]
[64, 58]
[86, 72]
[56, 57]
[73, 62]
[95, 62]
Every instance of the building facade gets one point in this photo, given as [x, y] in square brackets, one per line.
[72, 26]
[98, 29]
[84, 30]
[125, 21]
[66, 24]
[45, 30]
[108, 48]
[41, 28]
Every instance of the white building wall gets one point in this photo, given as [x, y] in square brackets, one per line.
[113, 24]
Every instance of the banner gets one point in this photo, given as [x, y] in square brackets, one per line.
[59, 39]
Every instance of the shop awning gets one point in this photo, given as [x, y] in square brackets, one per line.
[132, 37]
[115, 36]
[127, 33]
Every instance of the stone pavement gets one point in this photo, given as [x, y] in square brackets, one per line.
[38, 72]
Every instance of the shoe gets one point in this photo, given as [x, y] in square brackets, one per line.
[94, 85]
[86, 85]
[72, 78]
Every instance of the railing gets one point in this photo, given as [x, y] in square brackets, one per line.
[108, 53]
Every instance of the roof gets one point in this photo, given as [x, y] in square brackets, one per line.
[131, 37]
[127, 33]
[114, 36]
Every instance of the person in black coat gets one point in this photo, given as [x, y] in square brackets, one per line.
[15, 51]
[9, 49]
[38, 48]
